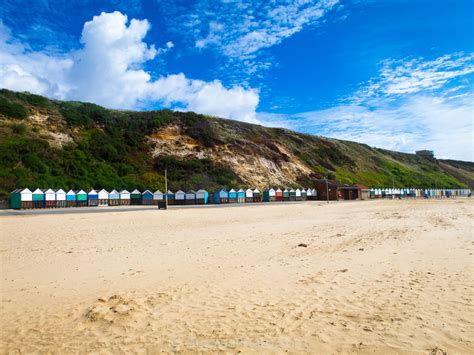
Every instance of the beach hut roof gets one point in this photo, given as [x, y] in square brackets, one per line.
[158, 192]
[49, 191]
[124, 192]
[232, 190]
[292, 190]
[241, 190]
[92, 192]
[22, 191]
[60, 191]
[103, 191]
[80, 192]
[278, 190]
[179, 192]
[201, 191]
[191, 192]
[114, 192]
[249, 190]
[256, 190]
[285, 190]
[38, 191]
[147, 192]
[136, 192]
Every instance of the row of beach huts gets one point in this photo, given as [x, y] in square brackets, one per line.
[26, 199]
[418, 193]
[49, 198]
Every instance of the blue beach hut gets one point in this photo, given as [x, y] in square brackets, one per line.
[147, 197]
[221, 196]
[232, 196]
[93, 198]
[241, 196]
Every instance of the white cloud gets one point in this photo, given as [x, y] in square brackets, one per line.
[241, 31]
[402, 77]
[445, 125]
[108, 70]
[412, 104]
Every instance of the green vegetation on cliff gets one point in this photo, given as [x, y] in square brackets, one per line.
[47, 143]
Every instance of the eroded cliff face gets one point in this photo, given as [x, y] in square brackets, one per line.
[258, 168]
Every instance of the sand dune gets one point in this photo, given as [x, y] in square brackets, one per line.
[377, 276]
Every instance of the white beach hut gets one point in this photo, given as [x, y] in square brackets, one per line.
[298, 195]
[103, 197]
[249, 195]
[50, 198]
[61, 198]
[180, 197]
[124, 197]
[158, 196]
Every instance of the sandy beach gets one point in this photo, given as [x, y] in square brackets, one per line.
[353, 277]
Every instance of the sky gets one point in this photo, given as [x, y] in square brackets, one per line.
[394, 74]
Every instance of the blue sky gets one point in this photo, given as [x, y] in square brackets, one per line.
[392, 74]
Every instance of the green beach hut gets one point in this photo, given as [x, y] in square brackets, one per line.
[38, 199]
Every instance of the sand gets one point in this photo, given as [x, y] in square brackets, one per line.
[374, 276]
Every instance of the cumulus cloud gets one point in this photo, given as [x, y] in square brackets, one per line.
[109, 70]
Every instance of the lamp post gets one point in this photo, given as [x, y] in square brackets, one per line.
[327, 190]
[166, 189]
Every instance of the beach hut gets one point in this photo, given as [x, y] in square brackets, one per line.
[21, 198]
[114, 198]
[279, 194]
[179, 197]
[147, 198]
[15, 199]
[232, 196]
[304, 195]
[221, 196]
[61, 198]
[103, 197]
[38, 198]
[92, 198]
[124, 197]
[269, 195]
[81, 198]
[202, 197]
[292, 195]
[158, 197]
[49, 198]
[257, 196]
[298, 195]
[241, 196]
[248, 195]
[190, 197]
[286, 195]
[309, 195]
[170, 196]
[135, 197]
